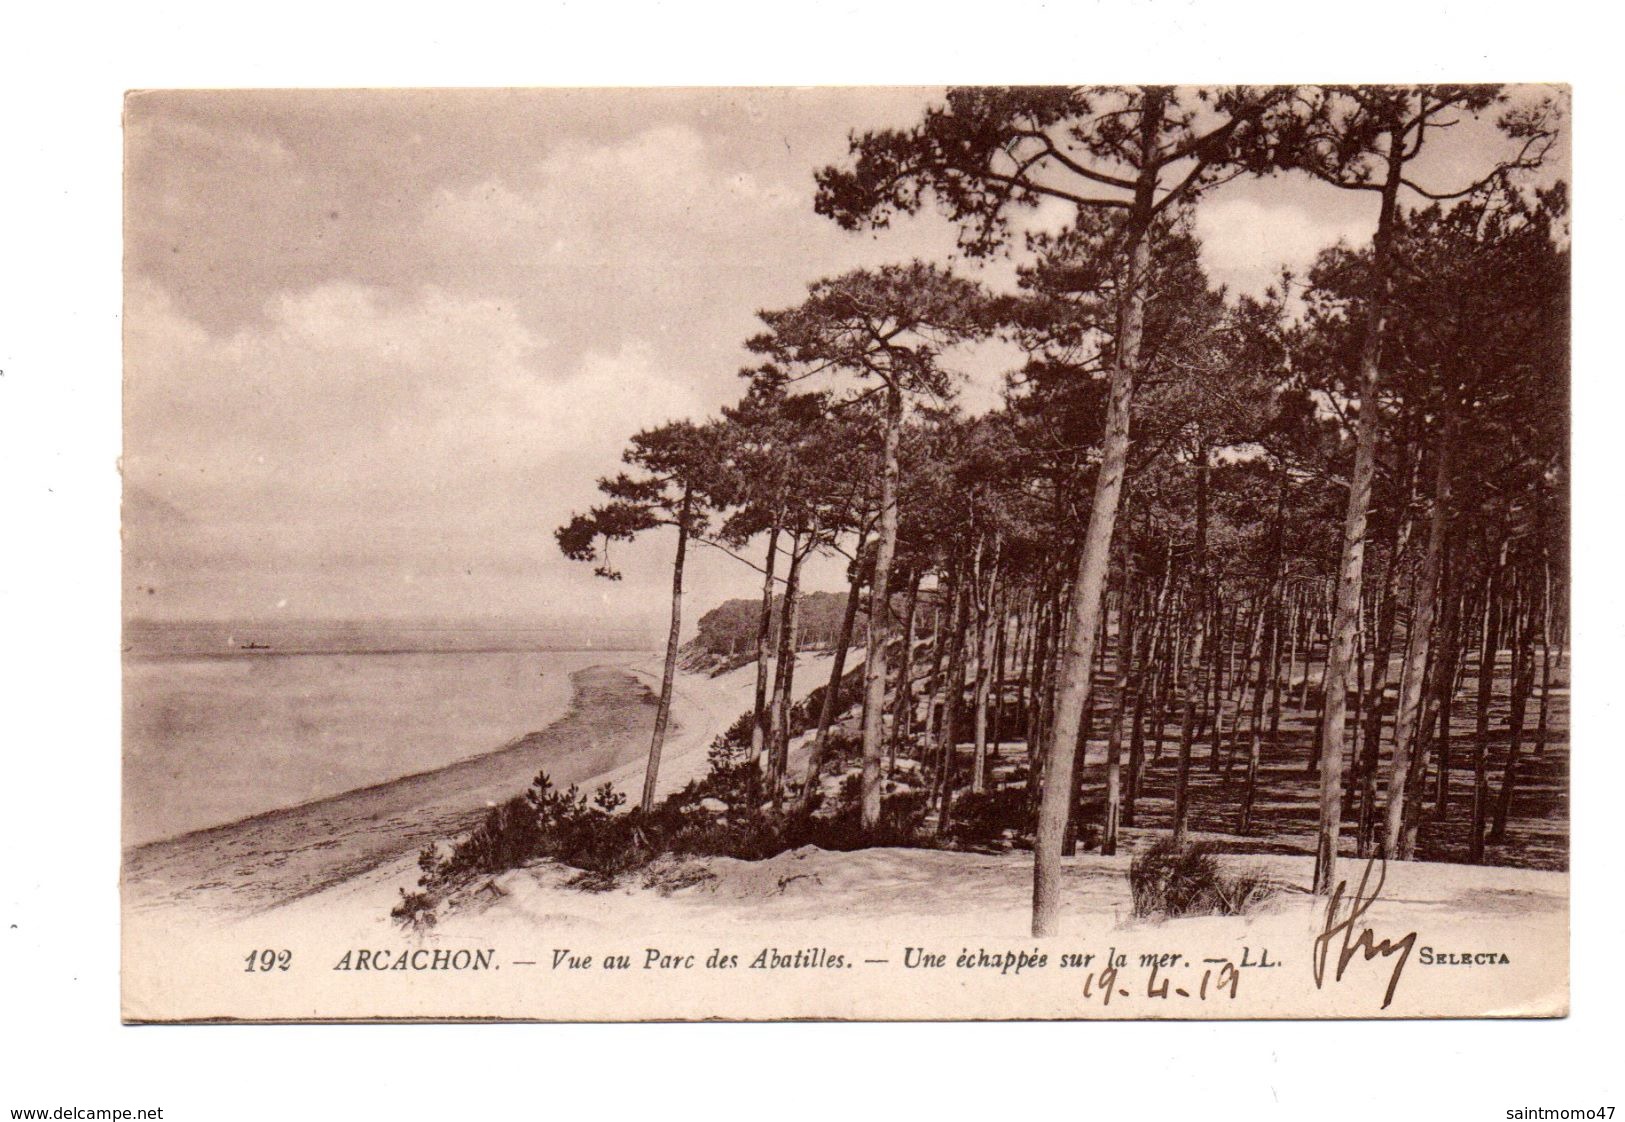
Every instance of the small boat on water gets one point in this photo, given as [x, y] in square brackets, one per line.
[255, 647]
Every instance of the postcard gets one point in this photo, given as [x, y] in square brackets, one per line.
[846, 553]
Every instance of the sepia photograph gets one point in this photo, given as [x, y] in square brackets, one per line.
[858, 553]
[910, 561]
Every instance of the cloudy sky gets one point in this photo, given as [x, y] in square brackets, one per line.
[378, 345]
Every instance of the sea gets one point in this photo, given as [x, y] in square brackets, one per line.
[226, 720]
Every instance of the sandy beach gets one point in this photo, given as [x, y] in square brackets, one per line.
[211, 739]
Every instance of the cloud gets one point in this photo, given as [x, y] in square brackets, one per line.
[357, 438]
[193, 142]
[380, 337]
[629, 217]
[617, 392]
[356, 434]
[336, 374]
[1248, 236]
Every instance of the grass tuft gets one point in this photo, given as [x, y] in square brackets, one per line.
[1170, 880]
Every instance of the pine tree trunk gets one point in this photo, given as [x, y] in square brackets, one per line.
[953, 688]
[1227, 719]
[1038, 690]
[1416, 780]
[1487, 650]
[1172, 679]
[1145, 685]
[1292, 648]
[1320, 716]
[1278, 687]
[1112, 817]
[1074, 821]
[1234, 683]
[1453, 649]
[938, 653]
[837, 670]
[1418, 649]
[1072, 700]
[1306, 611]
[903, 703]
[1025, 634]
[1193, 688]
[874, 666]
[1351, 567]
[784, 680]
[1370, 756]
[1100, 632]
[1361, 643]
[668, 677]
[1341, 653]
[996, 730]
[1523, 678]
[764, 631]
[1253, 698]
[1244, 820]
[1212, 722]
[1252, 694]
[1037, 752]
[1545, 657]
[1145, 689]
[984, 669]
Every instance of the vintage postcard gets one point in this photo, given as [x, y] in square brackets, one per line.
[846, 553]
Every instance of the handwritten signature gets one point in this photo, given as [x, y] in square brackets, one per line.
[1357, 936]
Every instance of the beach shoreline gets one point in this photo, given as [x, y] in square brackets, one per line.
[286, 858]
[266, 859]
[211, 740]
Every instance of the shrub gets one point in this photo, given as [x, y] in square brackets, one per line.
[839, 826]
[850, 792]
[601, 843]
[733, 776]
[982, 819]
[1245, 891]
[415, 911]
[737, 735]
[543, 822]
[1172, 880]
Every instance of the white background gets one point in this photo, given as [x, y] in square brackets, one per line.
[62, 74]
